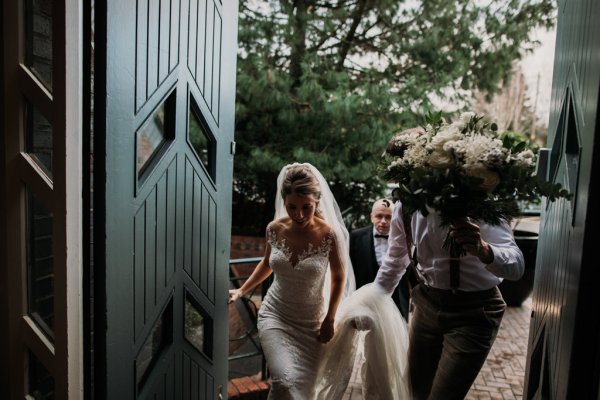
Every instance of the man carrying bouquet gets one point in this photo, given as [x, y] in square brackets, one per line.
[459, 260]
[456, 318]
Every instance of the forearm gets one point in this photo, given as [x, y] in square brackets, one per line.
[396, 260]
[260, 273]
[337, 289]
[507, 260]
[390, 273]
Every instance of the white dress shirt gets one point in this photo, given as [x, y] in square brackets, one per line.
[433, 260]
[381, 245]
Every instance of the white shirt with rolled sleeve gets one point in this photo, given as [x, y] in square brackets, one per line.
[433, 260]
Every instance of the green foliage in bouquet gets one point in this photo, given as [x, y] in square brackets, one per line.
[465, 168]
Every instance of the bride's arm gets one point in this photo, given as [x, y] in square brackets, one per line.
[260, 273]
[338, 279]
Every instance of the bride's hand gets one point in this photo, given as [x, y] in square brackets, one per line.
[234, 294]
[326, 331]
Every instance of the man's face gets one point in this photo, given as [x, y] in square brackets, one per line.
[381, 217]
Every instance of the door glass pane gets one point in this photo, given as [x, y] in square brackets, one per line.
[39, 138]
[201, 140]
[38, 39]
[153, 133]
[198, 326]
[41, 383]
[40, 265]
[572, 151]
[159, 338]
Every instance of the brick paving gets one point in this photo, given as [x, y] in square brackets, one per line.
[503, 373]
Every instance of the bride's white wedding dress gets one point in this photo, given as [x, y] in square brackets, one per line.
[290, 316]
[301, 367]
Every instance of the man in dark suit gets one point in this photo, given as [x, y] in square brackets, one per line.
[367, 247]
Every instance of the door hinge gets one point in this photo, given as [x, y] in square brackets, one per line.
[232, 148]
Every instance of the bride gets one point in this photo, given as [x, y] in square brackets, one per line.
[309, 323]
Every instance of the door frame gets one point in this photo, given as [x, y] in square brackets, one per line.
[61, 195]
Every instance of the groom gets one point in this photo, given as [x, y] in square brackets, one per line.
[456, 315]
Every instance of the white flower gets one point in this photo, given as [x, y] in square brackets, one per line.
[416, 155]
[466, 117]
[525, 158]
[452, 146]
[402, 141]
[408, 140]
[485, 150]
[446, 134]
[439, 159]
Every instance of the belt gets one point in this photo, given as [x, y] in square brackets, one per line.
[447, 298]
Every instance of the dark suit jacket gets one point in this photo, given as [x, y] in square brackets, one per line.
[364, 263]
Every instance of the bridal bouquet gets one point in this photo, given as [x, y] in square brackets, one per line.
[465, 168]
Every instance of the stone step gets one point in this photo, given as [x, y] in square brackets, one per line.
[247, 388]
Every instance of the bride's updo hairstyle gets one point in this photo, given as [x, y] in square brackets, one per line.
[300, 180]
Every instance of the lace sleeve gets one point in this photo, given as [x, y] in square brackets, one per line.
[329, 241]
[271, 235]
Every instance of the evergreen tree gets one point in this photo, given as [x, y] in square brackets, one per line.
[329, 82]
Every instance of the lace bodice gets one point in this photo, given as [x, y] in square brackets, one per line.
[299, 278]
[311, 251]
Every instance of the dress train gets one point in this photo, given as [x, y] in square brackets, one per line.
[385, 347]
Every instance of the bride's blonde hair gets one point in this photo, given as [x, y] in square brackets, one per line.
[300, 180]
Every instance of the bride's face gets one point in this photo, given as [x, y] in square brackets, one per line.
[301, 209]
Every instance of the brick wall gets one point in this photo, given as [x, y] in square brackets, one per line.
[247, 246]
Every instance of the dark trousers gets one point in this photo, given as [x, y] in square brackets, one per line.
[451, 335]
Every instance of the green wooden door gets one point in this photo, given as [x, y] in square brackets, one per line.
[163, 206]
[563, 355]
